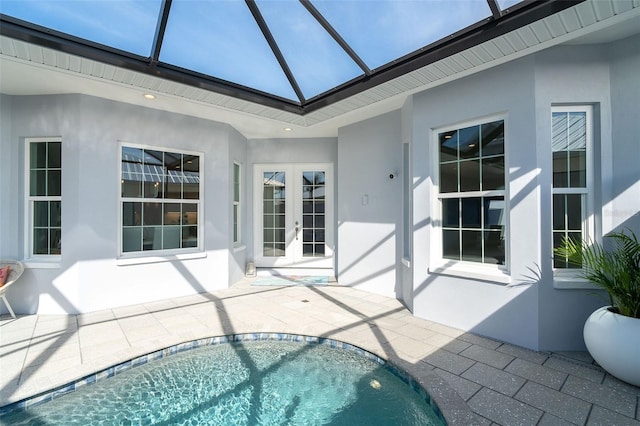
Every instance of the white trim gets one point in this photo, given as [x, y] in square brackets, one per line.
[37, 264]
[292, 258]
[151, 256]
[466, 269]
[571, 279]
[471, 270]
[141, 260]
[564, 278]
[39, 260]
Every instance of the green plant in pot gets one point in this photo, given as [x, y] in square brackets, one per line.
[612, 333]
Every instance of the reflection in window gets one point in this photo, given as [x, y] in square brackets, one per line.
[472, 183]
[45, 195]
[160, 200]
[569, 143]
[313, 213]
[274, 189]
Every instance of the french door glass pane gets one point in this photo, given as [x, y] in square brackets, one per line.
[313, 194]
[273, 199]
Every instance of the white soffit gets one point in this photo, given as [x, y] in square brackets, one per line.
[593, 17]
[586, 18]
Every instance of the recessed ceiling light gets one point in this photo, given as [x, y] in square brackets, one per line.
[287, 129]
[149, 96]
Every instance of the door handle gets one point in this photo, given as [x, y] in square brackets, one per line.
[297, 229]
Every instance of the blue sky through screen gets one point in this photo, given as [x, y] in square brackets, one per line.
[381, 31]
[220, 38]
[127, 25]
[315, 58]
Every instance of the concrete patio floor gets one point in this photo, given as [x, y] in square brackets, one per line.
[473, 379]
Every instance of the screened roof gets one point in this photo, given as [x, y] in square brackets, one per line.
[289, 54]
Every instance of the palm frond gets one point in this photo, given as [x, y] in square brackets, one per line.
[617, 270]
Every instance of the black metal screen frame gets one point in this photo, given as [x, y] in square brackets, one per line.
[501, 22]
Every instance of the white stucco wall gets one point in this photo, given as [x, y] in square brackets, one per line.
[570, 75]
[507, 312]
[622, 207]
[90, 277]
[530, 310]
[370, 205]
[238, 253]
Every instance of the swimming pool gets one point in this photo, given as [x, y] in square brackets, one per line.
[249, 380]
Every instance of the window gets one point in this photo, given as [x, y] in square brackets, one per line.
[571, 148]
[160, 200]
[44, 183]
[236, 203]
[472, 193]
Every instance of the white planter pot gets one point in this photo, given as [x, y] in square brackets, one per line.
[613, 340]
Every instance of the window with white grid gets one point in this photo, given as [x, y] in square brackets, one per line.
[44, 197]
[572, 183]
[160, 200]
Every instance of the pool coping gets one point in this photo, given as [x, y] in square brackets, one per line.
[443, 400]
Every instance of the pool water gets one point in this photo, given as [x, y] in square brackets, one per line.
[248, 383]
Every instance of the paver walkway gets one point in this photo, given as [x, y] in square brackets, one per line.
[475, 380]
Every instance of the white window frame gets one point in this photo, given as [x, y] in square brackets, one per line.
[236, 214]
[38, 260]
[566, 278]
[460, 268]
[161, 254]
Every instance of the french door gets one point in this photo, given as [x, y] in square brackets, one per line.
[293, 213]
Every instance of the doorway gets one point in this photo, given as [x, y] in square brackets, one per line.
[293, 211]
